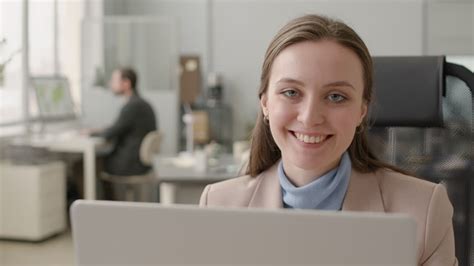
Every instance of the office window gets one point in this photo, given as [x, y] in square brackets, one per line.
[55, 31]
[42, 37]
[10, 61]
[54, 49]
[70, 15]
[41, 54]
[42, 44]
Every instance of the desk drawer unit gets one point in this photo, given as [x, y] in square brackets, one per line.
[32, 201]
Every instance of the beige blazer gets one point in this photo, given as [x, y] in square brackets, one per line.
[382, 191]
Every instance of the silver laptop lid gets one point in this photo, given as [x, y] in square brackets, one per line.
[145, 233]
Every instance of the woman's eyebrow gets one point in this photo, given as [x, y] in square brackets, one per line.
[290, 80]
[341, 83]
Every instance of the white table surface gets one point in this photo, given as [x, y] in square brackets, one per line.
[70, 142]
[171, 172]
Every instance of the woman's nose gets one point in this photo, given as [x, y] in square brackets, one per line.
[311, 113]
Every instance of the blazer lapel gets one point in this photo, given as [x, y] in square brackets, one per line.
[363, 193]
[267, 194]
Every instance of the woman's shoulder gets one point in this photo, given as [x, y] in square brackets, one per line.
[235, 192]
[389, 178]
[429, 204]
[244, 182]
[401, 192]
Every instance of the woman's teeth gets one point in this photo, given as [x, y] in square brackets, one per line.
[309, 139]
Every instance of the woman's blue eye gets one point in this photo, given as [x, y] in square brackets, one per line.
[290, 93]
[336, 98]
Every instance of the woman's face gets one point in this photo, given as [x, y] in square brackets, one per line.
[314, 104]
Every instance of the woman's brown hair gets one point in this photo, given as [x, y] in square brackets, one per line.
[263, 151]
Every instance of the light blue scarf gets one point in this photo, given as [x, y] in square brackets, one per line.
[324, 193]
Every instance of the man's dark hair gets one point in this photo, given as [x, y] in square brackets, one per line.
[129, 74]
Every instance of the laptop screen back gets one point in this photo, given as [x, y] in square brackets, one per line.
[144, 233]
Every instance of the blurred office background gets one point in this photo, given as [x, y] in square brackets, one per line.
[192, 56]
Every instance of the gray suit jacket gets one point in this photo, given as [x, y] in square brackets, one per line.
[382, 191]
[136, 119]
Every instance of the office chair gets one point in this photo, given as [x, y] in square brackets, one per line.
[142, 188]
[422, 121]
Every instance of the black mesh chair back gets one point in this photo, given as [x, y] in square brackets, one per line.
[422, 121]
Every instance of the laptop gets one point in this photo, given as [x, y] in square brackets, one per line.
[126, 233]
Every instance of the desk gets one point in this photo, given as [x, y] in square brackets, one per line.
[171, 176]
[71, 143]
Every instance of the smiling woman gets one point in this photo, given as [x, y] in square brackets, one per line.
[309, 148]
[314, 102]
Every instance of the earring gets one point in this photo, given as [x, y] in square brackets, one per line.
[265, 119]
[360, 129]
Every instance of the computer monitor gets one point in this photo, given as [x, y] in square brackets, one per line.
[54, 98]
[126, 233]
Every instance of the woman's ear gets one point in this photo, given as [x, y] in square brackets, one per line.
[263, 104]
[363, 112]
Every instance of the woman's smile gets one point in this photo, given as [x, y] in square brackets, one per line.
[310, 138]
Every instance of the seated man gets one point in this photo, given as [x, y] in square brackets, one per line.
[135, 121]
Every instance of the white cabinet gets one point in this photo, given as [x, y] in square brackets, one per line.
[32, 200]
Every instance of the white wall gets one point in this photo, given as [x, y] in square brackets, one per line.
[450, 27]
[243, 29]
[231, 36]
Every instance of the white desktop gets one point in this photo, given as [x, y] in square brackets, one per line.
[182, 178]
[125, 233]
